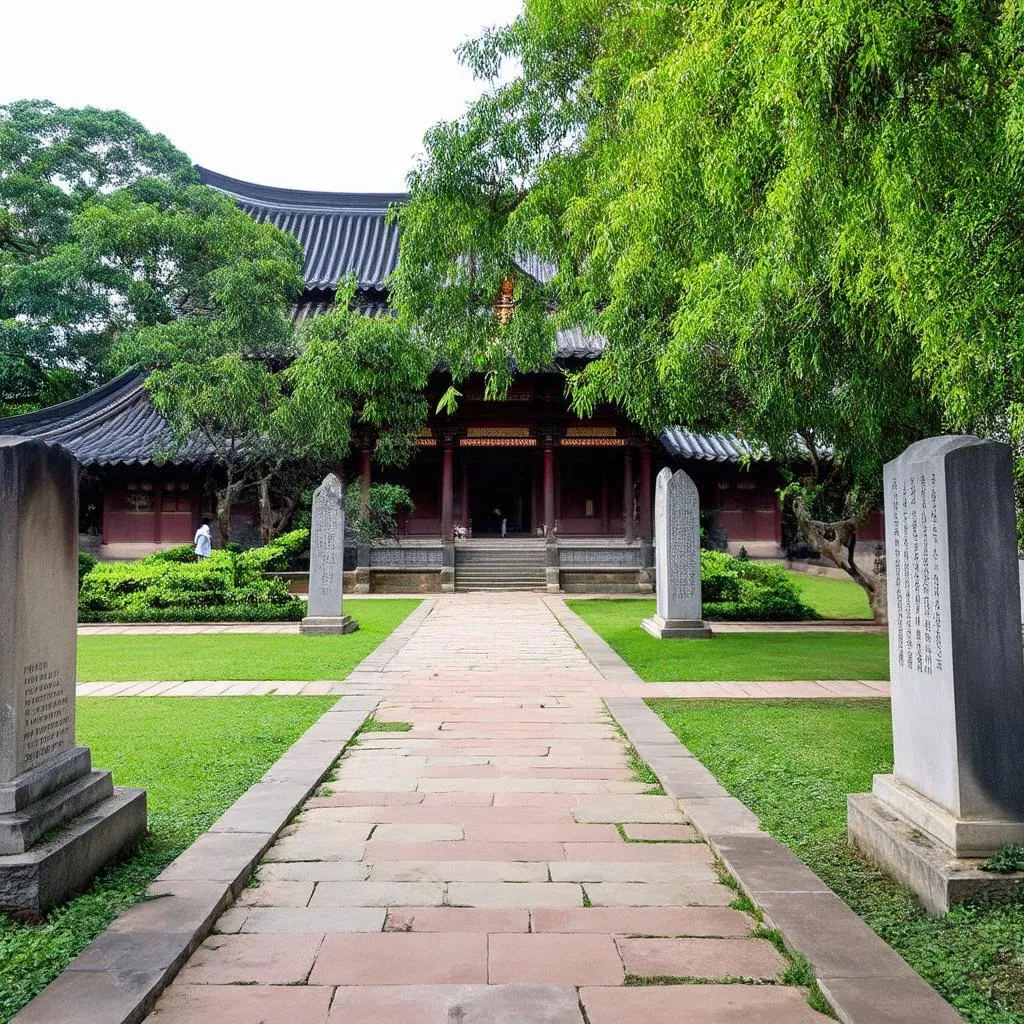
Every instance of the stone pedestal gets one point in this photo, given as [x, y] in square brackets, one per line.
[46, 782]
[324, 613]
[363, 555]
[677, 629]
[957, 789]
[677, 559]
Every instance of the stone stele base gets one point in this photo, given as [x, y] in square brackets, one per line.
[88, 822]
[328, 624]
[906, 835]
[677, 629]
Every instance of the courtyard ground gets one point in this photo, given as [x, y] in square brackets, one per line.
[793, 763]
[751, 656]
[261, 655]
[194, 758]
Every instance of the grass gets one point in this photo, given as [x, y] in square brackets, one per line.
[195, 758]
[793, 763]
[123, 657]
[751, 657]
[832, 598]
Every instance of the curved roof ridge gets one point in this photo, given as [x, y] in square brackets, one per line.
[49, 416]
[299, 199]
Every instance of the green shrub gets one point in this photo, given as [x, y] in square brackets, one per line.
[290, 612]
[293, 543]
[181, 553]
[226, 586]
[86, 563]
[743, 589]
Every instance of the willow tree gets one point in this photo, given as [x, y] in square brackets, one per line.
[796, 220]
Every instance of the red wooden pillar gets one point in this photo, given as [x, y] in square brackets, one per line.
[627, 493]
[366, 469]
[447, 489]
[645, 491]
[465, 496]
[549, 483]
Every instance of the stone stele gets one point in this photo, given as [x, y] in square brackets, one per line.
[677, 559]
[327, 562]
[46, 781]
[955, 659]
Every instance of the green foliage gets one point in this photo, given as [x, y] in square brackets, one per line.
[732, 656]
[243, 655]
[789, 219]
[86, 563]
[185, 553]
[793, 764]
[194, 758]
[831, 598]
[59, 304]
[226, 586]
[744, 589]
[1005, 860]
[379, 519]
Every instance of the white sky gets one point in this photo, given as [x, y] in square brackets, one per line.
[318, 94]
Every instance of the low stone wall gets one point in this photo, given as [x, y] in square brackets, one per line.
[605, 581]
[405, 581]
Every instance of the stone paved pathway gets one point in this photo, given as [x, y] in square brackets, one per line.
[495, 864]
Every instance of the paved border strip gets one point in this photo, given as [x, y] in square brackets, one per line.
[597, 650]
[865, 980]
[118, 977]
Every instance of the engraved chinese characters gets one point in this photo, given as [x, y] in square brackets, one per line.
[49, 725]
[327, 561]
[46, 782]
[955, 635]
[38, 605]
[677, 558]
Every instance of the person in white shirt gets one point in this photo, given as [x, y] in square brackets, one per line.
[202, 541]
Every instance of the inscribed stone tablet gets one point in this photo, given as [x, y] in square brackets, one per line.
[38, 603]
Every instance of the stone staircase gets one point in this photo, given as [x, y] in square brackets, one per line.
[499, 565]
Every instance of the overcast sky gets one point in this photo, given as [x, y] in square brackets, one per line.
[317, 94]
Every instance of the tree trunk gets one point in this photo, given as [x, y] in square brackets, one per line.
[271, 519]
[225, 502]
[836, 542]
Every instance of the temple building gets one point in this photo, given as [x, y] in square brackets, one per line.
[543, 497]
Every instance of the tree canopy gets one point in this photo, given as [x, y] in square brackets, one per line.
[795, 220]
[57, 320]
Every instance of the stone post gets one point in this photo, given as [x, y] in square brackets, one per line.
[327, 562]
[677, 559]
[957, 671]
[46, 781]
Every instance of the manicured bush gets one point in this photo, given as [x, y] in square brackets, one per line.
[164, 588]
[86, 563]
[290, 612]
[744, 589]
[181, 553]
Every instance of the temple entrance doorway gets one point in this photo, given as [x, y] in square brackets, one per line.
[500, 486]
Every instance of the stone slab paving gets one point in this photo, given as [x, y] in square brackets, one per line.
[475, 867]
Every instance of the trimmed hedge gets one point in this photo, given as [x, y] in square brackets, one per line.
[291, 612]
[745, 590]
[171, 586]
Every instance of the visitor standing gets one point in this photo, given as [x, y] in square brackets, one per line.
[202, 541]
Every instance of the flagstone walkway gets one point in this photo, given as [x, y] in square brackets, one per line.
[495, 864]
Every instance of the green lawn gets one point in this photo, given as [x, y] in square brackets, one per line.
[832, 599]
[123, 658]
[751, 657]
[793, 763]
[195, 758]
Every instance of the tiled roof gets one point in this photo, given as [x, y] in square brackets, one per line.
[340, 232]
[115, 424]
[683, 444]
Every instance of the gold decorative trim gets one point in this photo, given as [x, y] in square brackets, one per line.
[498, 442]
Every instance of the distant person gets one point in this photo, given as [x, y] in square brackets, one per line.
[202, 541]
[504, 527]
